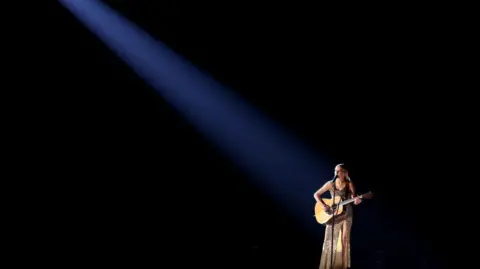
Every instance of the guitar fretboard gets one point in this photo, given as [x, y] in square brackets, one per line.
[350, 200]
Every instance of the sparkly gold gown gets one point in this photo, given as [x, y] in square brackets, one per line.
[341, 236]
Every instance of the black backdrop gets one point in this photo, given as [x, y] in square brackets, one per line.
[370, 92]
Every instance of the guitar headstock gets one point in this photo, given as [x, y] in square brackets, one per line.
[368, 195]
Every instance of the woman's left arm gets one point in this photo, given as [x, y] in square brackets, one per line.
[354, 193]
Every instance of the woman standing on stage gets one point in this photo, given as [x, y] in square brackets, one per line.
[343, 187]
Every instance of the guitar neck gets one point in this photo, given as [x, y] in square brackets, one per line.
[348, 201]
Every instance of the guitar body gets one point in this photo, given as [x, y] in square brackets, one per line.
[323, 217]
[337, 206]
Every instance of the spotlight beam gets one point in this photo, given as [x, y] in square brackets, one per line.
[284, 166]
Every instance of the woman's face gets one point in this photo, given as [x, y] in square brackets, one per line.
[340, 172]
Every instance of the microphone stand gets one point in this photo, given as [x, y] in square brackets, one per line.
[333, 222]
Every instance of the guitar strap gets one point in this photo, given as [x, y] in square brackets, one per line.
[347, 194]
[347, 190]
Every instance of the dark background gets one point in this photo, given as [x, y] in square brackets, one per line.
[377, 92]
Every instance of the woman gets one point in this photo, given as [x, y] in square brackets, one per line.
[344, 188]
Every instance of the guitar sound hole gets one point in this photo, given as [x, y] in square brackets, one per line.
[332, 210]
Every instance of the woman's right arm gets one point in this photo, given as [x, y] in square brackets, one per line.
[317, 195]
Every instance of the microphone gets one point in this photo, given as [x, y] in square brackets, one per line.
[333, 218]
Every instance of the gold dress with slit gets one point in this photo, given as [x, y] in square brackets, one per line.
[341, 236]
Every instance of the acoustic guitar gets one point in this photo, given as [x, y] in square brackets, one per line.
[336, 208]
